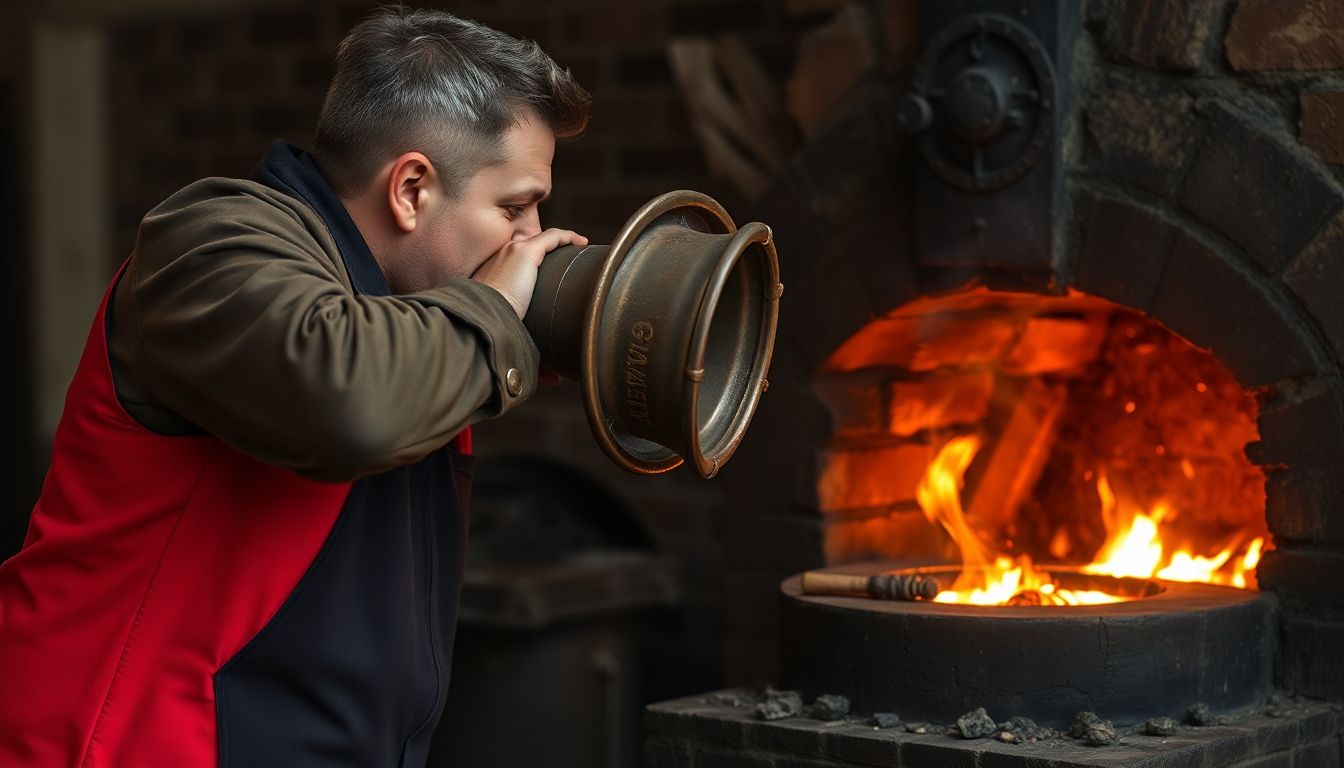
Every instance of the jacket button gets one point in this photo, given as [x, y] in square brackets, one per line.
[514, 381]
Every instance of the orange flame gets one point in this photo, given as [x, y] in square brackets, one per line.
[980, 581]
[1133, 547]
[939, 495]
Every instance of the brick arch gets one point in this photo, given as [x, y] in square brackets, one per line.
[1248, 187]
[1137, 257]
[846, 245]
[1282, 336]
[842, 273]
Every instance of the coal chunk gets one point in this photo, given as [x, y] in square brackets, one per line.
[1081, 721]
[976, 724]
[735, 699]
[1160, 726]
[779, 705]
[830, 707]
[1024, 729]
[1199, 715]
[1092, 729]
[886, 719]
[1280, 703]
[1101, 734]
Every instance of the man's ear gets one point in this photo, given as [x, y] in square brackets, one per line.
[409, 186]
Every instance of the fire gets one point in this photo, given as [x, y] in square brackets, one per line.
[939, 495]
[1134, 546]
[982, 582]
[1020, 583]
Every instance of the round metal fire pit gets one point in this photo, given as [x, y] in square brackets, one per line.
[1176, 645]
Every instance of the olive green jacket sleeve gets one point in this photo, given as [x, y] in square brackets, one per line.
[236, 316]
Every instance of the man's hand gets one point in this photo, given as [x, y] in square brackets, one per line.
[513, 269]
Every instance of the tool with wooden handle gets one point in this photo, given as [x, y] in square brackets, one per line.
[886, 586]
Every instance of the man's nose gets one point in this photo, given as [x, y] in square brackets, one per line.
[528, 225]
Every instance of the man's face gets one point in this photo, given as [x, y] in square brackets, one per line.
[495, 206]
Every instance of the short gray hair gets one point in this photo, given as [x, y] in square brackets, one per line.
[415, 80]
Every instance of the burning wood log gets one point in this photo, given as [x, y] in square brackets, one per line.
[887, 586]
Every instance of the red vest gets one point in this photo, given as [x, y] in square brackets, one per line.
[150, 561]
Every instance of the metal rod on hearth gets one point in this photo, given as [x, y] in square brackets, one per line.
[886, 586]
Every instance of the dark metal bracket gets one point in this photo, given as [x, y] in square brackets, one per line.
[986, 110]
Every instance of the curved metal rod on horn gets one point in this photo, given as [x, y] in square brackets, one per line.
[669, 331]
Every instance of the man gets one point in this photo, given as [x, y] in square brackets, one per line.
[249, 546]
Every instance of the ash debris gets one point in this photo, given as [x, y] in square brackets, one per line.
[773, 704]
[885, 720]
[830, 706]
[1278, 704]
[1024, 729]
[977, 724]
[1282, 704]
[779, 705]
[738, 698]
[1160, 726]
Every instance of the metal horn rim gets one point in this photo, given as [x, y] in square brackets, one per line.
[709, 462]
[612, 443]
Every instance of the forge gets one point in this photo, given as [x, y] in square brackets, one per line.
[999, 430]
[1073, 475]
[1085, 469]
[1164, 647]
[1054, 340]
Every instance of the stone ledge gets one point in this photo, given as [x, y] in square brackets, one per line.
[711, 728]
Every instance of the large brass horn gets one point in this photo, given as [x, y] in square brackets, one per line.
[669, 331]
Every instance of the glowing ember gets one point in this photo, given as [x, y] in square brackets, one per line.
[1009, 583]
[1134, 546]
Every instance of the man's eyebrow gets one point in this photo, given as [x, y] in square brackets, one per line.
[532, 195]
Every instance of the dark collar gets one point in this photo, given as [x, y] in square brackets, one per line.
[290, 170]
